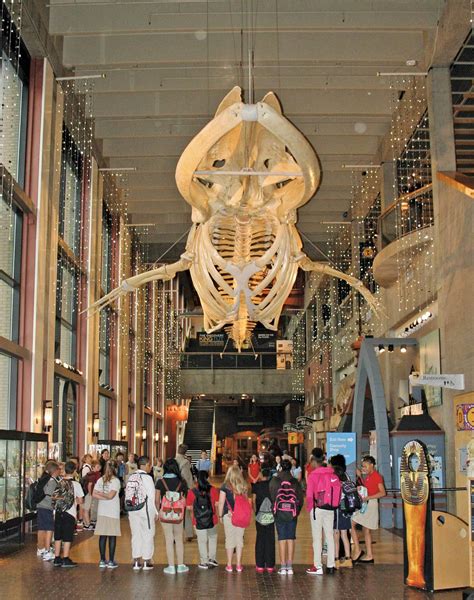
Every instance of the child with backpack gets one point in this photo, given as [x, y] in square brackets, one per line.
[66, 498]
[42, 493]
[323, 495]
[107, 491]
[288, 498]
[235, 512]
[140, 505]
[201, 502]
[264, 523]
[350, 502]
[171, 492]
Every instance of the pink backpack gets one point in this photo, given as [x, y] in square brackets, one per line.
[286, 502]
[242, 513]
[327, 489]
[173, 506]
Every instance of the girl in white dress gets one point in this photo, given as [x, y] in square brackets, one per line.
[107, 490]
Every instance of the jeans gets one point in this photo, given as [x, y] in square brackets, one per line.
[322, 520]
[265, 546]
[207, 543]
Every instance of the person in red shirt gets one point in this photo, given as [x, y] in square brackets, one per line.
[201, 501]
[373, 482]
[254, 470]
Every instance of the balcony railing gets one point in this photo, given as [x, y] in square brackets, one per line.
[228, 360]
[409, 213]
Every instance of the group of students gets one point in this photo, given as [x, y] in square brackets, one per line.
[182, 501]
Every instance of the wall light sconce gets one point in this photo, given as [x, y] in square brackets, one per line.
[157, 437]
[95, 424]
[47, 415]
[144, 433]
[165, 439]
[123, 430]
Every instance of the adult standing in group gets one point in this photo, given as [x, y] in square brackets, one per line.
[130, 466]
[173, 482]
[288, 499]
[142, 522]
[186, 474]
[104, 459]
[373, 482]
[204, 463]
[254, 470]
[107, 492]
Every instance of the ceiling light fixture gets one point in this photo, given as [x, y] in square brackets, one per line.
[116, 169]
[403, 74]
[381, 348]
[344, 166]
[403, 348]
[390, 347]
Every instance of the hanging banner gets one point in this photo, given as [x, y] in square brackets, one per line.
[452, 382]
[295, 438]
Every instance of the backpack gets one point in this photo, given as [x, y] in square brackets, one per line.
[135, 493]
[350, 499]
[265, 513]
[173, 505]
[242, 513]
[286, 502]
[63, 496]
[203, 512]
[327, 490]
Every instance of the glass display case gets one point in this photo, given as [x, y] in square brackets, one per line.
[113, 446]
[22, 458]
[35, 457]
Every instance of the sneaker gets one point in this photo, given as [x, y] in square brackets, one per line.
[171, 570]
[68, 563]
[203, 566]
[137, 566]
[182, 569]
[282, 571]
[229, 569]
[315, 570]
[213, 562]
[270, 569]
[58, 561]
[148, 565]
[239, 568]
[40, 551]
[260, 569]
[289, 570]
[330, 570]
[48, 555]
[88, 527]
[112, 564]
[102, 564]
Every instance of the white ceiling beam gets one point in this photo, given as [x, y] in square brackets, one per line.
[326, 46]
[166, 127]
[306, 102]
[134, 17]
[175, 146]
[202, 78]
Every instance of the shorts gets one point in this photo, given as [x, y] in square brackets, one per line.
[341, 521]
[64, 526]
[286, 530]
[45, 519]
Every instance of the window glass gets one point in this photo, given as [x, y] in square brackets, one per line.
[104, 417]
[11, 221]
[8, 387]
[66, 311]
[70, 195]
[104, 346]
[106, 267]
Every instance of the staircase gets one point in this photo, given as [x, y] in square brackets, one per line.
[462, 76]
[199, 428]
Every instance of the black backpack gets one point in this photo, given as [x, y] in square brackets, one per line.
[35, 493]
[203, 512]
[350, 499]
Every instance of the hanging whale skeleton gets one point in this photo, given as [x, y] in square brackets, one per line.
[244, 175]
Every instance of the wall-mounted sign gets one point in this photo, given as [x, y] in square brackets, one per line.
[345, 444]
[295, 437]
[211, 340]
[465, 417]
[452, 382]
